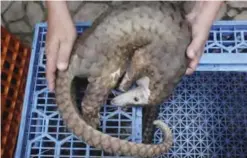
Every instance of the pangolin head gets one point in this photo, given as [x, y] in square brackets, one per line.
[138, 96]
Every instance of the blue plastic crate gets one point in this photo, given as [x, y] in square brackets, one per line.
[226, 47]
[42, 132]
[207, 111]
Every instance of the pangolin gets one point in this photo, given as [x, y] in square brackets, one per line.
[140, 41]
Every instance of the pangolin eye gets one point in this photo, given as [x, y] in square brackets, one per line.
[136, 99]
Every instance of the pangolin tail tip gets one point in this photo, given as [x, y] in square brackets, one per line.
[163, 126]
[160, 123]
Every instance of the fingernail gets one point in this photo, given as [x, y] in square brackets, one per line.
[62, 66]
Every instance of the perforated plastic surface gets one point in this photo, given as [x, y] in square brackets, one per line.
[207, 112]
[208, 116]
[43, 132]
[15, 58]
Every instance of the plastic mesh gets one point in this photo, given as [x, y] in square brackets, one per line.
[14, 65]
[207, 111]
[208, 116]
[45, 135]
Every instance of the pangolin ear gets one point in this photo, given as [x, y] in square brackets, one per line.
[143, 82]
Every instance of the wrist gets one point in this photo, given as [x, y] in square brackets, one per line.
[57, 6]
[214, 6]
[210, 10]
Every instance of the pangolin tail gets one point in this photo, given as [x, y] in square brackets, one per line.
[73, 119]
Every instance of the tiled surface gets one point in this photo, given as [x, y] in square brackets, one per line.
[20, 16]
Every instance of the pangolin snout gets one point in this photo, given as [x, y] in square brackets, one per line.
[115, 102]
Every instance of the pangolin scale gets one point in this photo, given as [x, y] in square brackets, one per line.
[150, 36]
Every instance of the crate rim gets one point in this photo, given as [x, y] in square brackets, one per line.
[201, 67]
[230, 22]
[212, 62]
[224, 62]
[219, 22]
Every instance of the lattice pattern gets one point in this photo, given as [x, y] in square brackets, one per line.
[207, 111]
[227, 39]
[46, 135]
[208, 116]
[14, 65]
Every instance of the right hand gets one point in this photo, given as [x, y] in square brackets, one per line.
[60, 39]
[201, 19]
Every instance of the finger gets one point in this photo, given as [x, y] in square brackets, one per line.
[51, 56]
[193, 64]
[64, 55]
[196, 46]
[189, 71]
[51, 80]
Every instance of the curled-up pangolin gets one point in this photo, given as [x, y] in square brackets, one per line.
[141, 41]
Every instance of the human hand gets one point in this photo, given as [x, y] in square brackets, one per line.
[61, 35]
[201, 19]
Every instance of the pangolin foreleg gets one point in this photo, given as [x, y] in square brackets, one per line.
[137, 66]
[99, 87]
[149, 115]
[138, 62]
